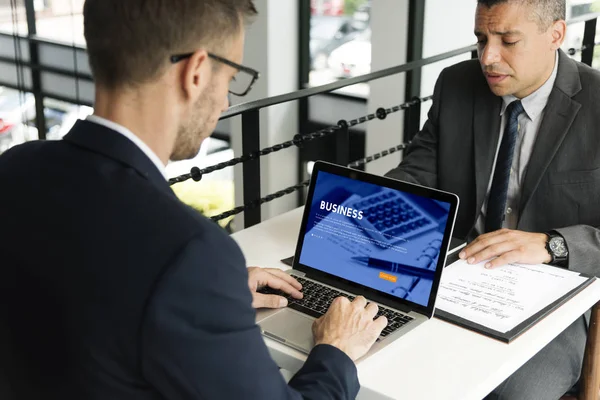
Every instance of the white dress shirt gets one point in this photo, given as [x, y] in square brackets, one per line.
[131, 136]
[529, 124]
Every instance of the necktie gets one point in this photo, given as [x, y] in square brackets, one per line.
[496, 207]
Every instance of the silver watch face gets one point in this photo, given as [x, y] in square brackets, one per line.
[557, 245]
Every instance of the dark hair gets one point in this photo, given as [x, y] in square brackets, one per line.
[546, 11]
[130, 41]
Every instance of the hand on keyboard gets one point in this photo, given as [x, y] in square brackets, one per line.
[273, 278]
[318, 298]
[350, 326]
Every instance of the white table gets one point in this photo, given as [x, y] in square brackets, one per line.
[435, 361]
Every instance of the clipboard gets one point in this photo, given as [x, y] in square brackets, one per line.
[518, 330]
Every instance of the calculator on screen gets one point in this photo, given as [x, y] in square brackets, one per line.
[390, 217]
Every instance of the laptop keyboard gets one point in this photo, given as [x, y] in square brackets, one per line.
[389, 215]
[317, 299]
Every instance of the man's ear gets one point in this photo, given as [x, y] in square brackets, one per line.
[558, 30]
[195, 74]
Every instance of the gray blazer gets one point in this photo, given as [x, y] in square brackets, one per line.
[561, 189]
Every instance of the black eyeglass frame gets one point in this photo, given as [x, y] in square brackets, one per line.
[254, 73]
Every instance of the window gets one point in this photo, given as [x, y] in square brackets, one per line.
[340, 42]
[574, 37]
[61, 116]
[578, 10]
[16, 109]
[60, 20]
[18, 117]
[13, 19]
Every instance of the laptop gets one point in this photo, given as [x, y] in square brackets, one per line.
[363, 234]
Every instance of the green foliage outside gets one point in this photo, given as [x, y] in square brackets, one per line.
[596, 6]
[208, 197]
[350, 6]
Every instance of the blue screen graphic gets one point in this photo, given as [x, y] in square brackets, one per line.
[382, 238]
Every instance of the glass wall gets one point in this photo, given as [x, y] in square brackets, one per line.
[340, 42]
[64, 87]
[17, 109]
[61, 20]
[18, 117]
[13, 18]
[577, 8]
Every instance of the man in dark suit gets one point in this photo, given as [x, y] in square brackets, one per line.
[110, 287]
[520, 145]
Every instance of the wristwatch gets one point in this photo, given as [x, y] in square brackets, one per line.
[557, 248]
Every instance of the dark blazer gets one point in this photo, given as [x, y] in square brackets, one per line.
[111, 288]
[561, 189]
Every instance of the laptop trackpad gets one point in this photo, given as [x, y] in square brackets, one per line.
[290, 327]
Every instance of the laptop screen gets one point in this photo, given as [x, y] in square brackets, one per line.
[382, 238]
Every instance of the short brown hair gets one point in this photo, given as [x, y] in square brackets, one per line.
[546, 12]
[130, 41]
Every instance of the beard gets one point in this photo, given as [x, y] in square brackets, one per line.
[192, 132]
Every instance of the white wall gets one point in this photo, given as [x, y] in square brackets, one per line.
[272, 48]
[389, 24]
[448, 26]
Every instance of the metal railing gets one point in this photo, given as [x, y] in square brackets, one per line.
[250, 111]
[251, 122]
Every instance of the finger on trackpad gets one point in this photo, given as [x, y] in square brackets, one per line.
[291, 328]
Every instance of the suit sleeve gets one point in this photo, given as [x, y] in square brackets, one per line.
[200, 339]
[583, 243]
[420, 161]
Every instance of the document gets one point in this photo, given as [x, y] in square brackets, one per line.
[502, 298]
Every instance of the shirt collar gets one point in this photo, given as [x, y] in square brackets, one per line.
[535, 103]
[131, 136]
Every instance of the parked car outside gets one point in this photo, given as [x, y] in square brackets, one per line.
[329, 33]
[18, 117]
[15, 109]
[352, 58]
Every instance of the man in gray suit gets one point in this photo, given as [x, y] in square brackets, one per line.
[516, 136]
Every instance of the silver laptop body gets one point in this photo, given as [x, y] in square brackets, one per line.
[368, 235]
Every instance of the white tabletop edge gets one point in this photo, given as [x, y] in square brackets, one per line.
[466, 365]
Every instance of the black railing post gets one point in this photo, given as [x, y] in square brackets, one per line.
[251, 169]
[416, 23]
[304, 78]
[36, 75]
[342, 144]
[589, 38]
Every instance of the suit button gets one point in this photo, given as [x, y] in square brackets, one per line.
[509, 210]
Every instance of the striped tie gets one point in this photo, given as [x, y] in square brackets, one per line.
[496, 207]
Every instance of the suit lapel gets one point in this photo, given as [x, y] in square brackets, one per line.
[559, 114]
[486, 131]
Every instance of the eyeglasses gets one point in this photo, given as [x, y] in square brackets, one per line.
[241, 83]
